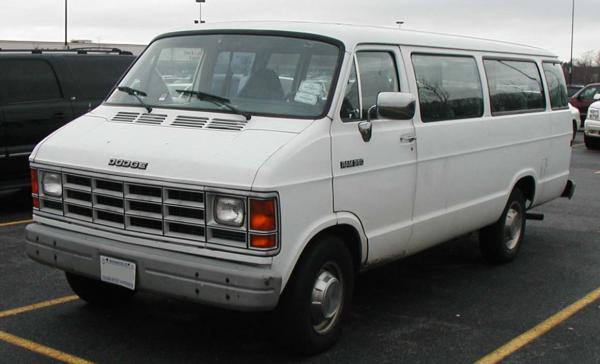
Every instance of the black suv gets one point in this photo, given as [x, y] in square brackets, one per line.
[41, 90]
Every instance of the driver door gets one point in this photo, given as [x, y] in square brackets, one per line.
[375, 180]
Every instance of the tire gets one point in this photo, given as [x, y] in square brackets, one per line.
[99, 293]
[501, 241]
[591, 143]
[574, 132]
[324, 272]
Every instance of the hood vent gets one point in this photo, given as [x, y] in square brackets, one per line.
[152, 119]
[186, 121]
[127, 117]
[189, 121]
[226, 124]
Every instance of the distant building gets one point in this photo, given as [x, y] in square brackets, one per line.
[136, 49]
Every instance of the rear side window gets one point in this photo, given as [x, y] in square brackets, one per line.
[557, 87]
[515, 86]
[449, 87]
[96, 76]
[378, 73]
[28, 81]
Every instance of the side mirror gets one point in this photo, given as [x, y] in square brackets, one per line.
[597, 97]
[396, 105]
[390, 105]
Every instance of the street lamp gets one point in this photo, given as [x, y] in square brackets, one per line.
[200, 18]
[572, 31]
[66, 44]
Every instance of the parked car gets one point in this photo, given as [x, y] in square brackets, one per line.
[576, 116]
[584, 98]
[40, 91]
[572, 89]
[257, 197]
[591, 131]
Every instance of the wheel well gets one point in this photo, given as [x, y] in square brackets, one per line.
[527, 186]
[349, 236]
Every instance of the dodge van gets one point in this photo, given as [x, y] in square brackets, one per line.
[262, 166]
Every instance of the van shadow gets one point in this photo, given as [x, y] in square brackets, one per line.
[168, 330]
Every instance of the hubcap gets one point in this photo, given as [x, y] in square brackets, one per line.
[512, 225]
[327, 298]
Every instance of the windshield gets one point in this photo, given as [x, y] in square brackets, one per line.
[251, 74]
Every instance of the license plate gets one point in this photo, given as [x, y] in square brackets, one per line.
[117, 271]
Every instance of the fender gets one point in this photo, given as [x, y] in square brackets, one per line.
[339, 218]
[527, 172]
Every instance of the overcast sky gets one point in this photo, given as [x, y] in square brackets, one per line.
[542, 23]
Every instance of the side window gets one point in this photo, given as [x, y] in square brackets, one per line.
[29, 81]
[378, 73]
[97, 75]
[515, 86]
[449, 87]
[351, 105]
[557, 87]
[589, 92]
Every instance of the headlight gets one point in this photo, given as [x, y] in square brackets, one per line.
[593, 114]
[229, 211]
[51, 184]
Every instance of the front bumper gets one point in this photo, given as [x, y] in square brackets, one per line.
[211, 281]
[592, 128]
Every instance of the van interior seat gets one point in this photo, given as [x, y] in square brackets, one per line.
[263, 84]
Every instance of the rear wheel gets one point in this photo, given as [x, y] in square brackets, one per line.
[99, 293]
[317, 297]
[500, 242]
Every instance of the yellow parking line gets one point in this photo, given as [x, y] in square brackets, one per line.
[37, 306]
[539, 330]
[597, 172]
[577, 145]
[41, 349]
[12, 223]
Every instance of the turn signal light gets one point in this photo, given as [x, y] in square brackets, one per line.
[35, 188]
[263, 215]
[263, 241]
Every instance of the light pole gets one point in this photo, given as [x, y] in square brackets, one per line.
[66, 44]
[200, 18]
[572, 31]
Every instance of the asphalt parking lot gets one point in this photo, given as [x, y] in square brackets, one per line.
[443, 305]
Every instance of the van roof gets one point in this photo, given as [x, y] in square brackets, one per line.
[352, 35]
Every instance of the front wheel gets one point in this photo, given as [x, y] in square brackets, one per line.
[317, 297]
[500, 242]
[98, 293]
[591, 142]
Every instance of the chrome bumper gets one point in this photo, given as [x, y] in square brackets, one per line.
[211, 281]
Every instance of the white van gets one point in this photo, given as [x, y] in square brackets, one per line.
[288, 157]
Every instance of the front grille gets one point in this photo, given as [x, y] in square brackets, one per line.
[160, 214]
[136, 206]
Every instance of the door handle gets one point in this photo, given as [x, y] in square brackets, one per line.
[58, 116]
[407, 138]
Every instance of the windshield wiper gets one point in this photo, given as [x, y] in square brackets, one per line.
[217, 100]
[136, 93]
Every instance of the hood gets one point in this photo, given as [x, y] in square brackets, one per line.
[175, 147]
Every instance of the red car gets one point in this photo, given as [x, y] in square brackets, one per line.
[584, 98]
